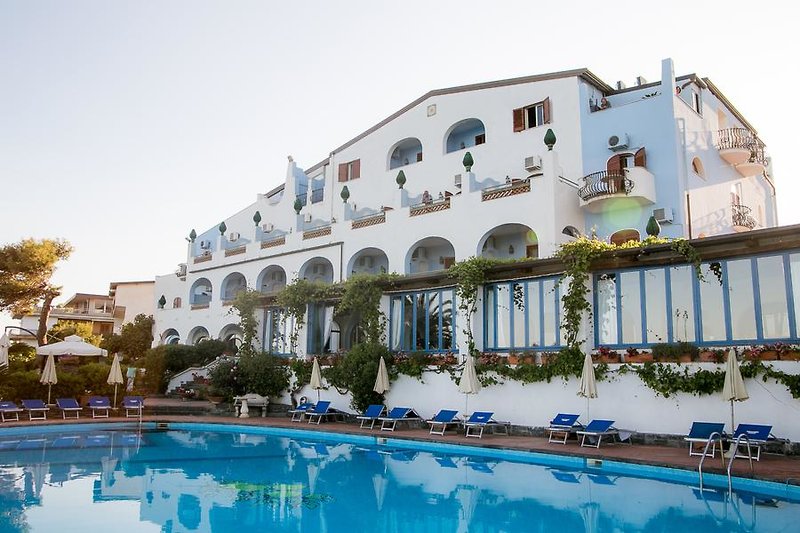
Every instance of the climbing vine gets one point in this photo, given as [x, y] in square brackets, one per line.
[362, 298]
[295, 297]
[245, 305]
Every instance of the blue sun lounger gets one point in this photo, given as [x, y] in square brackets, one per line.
[398, 414]
[133, 405]
[442, 420]
[69, 405]
[597, 429]
[100, 406]
[9, 409]
[320, 411]
[371, 415]
[37, 409]
[757, 437]
[299, 412]
[563, 425]
[699, 434]
[480, 420]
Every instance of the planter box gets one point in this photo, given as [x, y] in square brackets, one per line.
[639, 358]
[607, 358]
[790, 356]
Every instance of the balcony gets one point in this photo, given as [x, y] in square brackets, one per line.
[271, 243]
[741, 220]
[742, 149]
[601, 188]
[368, 220]
[513, 187]
[429, 207]
[319, 231]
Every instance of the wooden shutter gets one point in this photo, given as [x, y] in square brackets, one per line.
[614, 165]
[355, 169]
[342, 171]
[639, 158]
[419, 157]
[519, 119]
[546, 113]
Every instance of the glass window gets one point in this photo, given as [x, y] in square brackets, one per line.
[518, 340]
[550, 315]
[503, 316]
[433, 321]
[711, 306]
[742, 302]
[532, 310]
[446, 309]
[316, 329]
[408, 321]
[395, 335]
[681, 288]
[607, 308]
[421, 322]
[490, 317]
[631, 303]
[794, 262]
[772, 292]
[655, 295]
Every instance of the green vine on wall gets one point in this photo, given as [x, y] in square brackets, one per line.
[362, 298]
[245, 305]
[295, 297]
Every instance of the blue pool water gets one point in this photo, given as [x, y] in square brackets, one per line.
[227, 478]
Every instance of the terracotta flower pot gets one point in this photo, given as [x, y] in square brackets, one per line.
[790, 356]
[639, 358]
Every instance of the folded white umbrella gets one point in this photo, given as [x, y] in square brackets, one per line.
[382, 379]
[733, 390]
[316, 377]
[469, 384]
[5, 343]
[588, 387]
[115, 377]
[49, 376]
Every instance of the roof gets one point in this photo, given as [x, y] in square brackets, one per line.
[86, 296]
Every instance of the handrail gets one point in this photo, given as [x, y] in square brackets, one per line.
[711, 438]
[605, 183]
[735, 448]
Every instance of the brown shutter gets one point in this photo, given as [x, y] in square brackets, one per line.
[639, 158]
[419, 157]
[355, 169]
[342, 171]
[546, 106]
[519, 119]
[614, 165]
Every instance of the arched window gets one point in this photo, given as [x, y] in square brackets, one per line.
[176, 303]
[465, 134]
[406, 152]
[698, 168]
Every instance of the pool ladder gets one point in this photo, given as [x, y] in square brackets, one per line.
[716, 437]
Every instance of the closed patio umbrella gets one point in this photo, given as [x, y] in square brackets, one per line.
[588, 388]
[469, 384]
[4, 345]
[48, 376]
[316, 377]
[382, 379]
[733, 389]
[115, 377]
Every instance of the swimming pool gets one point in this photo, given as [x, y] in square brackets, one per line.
[221, 478]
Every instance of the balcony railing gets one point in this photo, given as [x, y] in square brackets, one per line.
[511, 188]
[740, 217]
[277, 241]
[742, 139]
[319, 231]
[368, 220]
[429, 207]
[604, 183]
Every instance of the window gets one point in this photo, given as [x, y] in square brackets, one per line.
[736, 194]
[697, 104]
[350, 171]
[522, 315]
[423, 321]
[697, 167]
[176, 303]
[532, 116]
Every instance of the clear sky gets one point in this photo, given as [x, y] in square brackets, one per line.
[125, 124]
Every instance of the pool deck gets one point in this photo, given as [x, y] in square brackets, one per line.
[784, 469]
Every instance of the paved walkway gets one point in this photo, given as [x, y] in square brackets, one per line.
[784, 469]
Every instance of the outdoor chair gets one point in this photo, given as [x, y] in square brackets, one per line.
[597, 429]
[442, 420]
[320, 411]
[300, 411]
[69, 405]
[398, 414]
[100, 406]
[480, 420]
[9, 409]
[371, 415]
[757, 437]
[699, 434]
[37, 409]
[133, 405]
[562, 426]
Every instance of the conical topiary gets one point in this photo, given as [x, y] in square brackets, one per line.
[257, 218]
[468, 162]
[550, 138]
[298, 205]
[345, 194]
[653, 227]
[162, 302]
[192, 235]
[222, 228]
[400, 179]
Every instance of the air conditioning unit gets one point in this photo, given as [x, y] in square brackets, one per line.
[205, 245]
[234, 236]
[267, 227]
[618, 142]
[307, 217]
[663, 214]
[457, 180]
[181, 272]
[533, 163]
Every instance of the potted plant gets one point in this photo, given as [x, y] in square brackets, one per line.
[606, 355]
[679, 352]
[633, 355]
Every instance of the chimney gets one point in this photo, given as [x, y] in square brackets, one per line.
[621, 85]
[640, 81]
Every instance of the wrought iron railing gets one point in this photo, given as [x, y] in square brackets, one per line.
[604, 183]
[744, 139]
[740, 216]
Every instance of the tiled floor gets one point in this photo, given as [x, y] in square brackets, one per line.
[772, 467]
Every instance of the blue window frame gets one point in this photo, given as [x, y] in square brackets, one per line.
[523, 315]
[757, 302]
[423, 321]
[276, 331]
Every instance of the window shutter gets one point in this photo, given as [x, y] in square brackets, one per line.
[519, 119]
[419, 156]
[355, 169]
[614, 165]
[546, 106]
[342, 171]
[639, 158]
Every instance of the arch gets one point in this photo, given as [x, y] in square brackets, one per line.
[698, 168]
[232, 335]
[177, 302]
[430, 254]
[170, 336]
[233, 284]
[271, 279]
[464, 134]
[624, 235]
[368, 261]
[197, 334]
[406, 152]
[201, 292]
[317, 269]
[509, 241]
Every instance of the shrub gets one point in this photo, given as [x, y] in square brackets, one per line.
[356, 372]
[264, 374]
[95, 378]
[226, 380]
[672, 351]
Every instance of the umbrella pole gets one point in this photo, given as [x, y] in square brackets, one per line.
[115, 395]
[733, 427]
[49, 387]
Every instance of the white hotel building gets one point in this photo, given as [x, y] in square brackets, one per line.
[675, 149]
